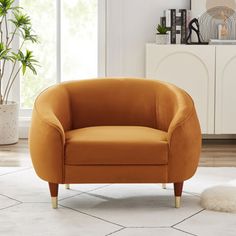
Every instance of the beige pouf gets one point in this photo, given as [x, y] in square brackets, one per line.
[220, 198]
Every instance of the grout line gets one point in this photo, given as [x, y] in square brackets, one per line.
[188, 218]
[183, 231]
[97, 188]
[83, 192]
[116, 231]
[11, 198]
[65, 198]
[96, 217]
[19, 203]
[161, 227]
[149, 227]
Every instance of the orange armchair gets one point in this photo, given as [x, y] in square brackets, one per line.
[114, 131]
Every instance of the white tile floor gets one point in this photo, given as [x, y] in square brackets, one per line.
[119, 210]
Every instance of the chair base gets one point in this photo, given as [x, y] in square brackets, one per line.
[178, 187]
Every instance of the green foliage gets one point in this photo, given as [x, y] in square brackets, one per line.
[27, 60]
[15, 23]
[26, 33]
[20, 20]
[4, 52]
[5, 6]
[161, 29]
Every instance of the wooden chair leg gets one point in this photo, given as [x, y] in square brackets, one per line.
[178, 188]
[54, 194]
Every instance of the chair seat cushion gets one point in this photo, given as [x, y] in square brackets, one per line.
[116, 145]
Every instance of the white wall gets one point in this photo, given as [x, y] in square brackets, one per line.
[130, 25]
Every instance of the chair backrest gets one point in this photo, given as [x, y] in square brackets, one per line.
[101, 102]
[113, 102]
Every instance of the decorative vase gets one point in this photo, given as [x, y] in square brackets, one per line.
[162, 39]
[9, 133]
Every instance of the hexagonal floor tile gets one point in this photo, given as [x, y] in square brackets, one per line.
[135, 205]
[25, 186]
[39, 219]
[210, 223]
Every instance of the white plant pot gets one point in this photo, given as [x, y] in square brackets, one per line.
[9, 133]
[162, 38]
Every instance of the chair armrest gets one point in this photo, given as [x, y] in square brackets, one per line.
[50, 120]
[181, 117]
[46, 141]
[184, 138]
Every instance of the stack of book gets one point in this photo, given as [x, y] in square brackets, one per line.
[177, 23]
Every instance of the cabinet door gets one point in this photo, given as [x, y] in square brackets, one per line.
[191, 68]
[226, 89]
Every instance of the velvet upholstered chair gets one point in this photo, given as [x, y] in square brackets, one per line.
[114, 131]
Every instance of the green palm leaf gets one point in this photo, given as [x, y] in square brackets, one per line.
[5, 6]
[27, 60]
[20, 19]
[26, 33]
[4, 52]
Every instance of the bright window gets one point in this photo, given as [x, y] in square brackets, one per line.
[45, 25]
[68, 49]
[79, 39]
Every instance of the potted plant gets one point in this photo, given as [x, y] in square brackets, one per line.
[14, 25]
[162, 36]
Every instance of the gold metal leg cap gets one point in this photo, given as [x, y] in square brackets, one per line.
[177, 202]
[67, 186]
[164, 186]
[54, 203]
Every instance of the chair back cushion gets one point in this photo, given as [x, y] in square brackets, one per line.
[112, 102]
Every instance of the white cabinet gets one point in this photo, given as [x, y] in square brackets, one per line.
[207, 73]
[225, 90]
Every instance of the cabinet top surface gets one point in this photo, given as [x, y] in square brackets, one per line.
[190, 45]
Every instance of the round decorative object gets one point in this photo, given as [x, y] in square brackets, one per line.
[220, 198]
[9, 123]
[215, 19]
[162, 38]
[227, 3]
